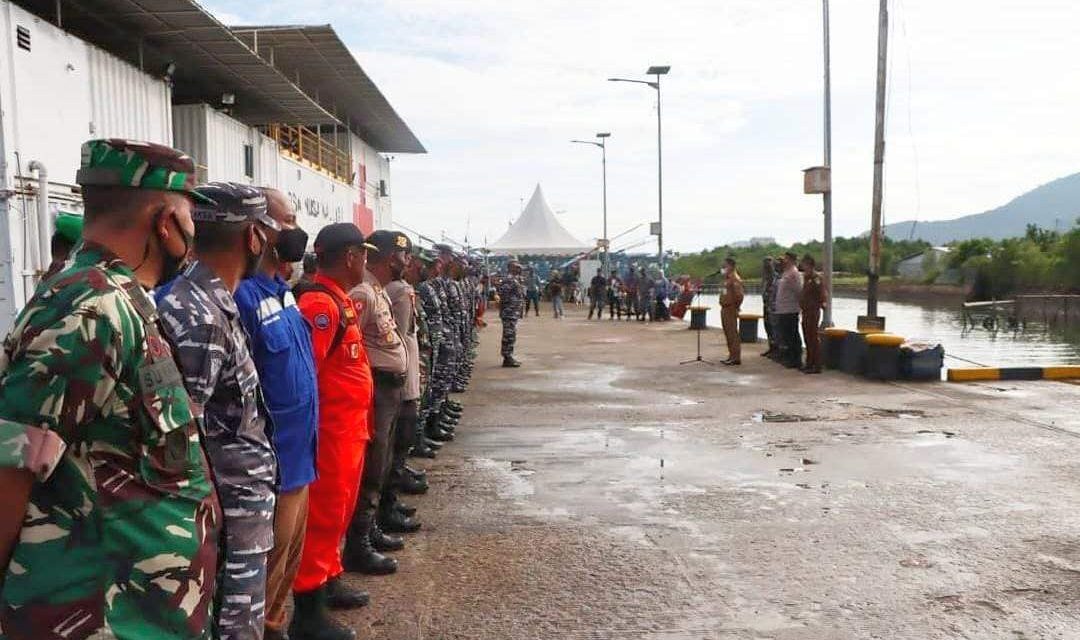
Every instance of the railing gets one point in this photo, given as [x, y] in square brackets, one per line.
[305, 145]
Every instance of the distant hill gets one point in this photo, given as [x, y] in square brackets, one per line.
[1056, 202]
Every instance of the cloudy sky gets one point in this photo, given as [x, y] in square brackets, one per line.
[984, 97]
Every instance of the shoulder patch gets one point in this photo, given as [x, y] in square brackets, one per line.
[321, 321]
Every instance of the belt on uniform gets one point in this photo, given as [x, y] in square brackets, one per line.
[389, 378]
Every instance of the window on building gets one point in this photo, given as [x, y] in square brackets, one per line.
[249, 161]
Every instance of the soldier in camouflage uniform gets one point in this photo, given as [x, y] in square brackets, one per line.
[511, 296]
[110, 522]
[429, 339]
[433, 302]
[202, 321]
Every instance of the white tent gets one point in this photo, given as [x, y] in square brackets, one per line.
[537, 232]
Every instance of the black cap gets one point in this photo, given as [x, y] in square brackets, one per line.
[387, 242]
[340, 235]
[444, 249]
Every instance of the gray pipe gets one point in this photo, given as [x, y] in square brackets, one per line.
[44, 220]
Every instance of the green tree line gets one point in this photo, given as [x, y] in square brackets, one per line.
[851, 256]
[1041, 261]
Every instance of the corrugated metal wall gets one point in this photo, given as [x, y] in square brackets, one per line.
[189, 134]
[125, 102]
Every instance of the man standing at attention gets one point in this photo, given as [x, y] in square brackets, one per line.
[101, 449]
[345, 391]
[788, 293]
[389, 363]
[730, 302]
[597, 294]
[812, 301]
[511, 291]
[201, 321]
[281, 348]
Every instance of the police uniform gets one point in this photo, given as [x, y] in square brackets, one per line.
[120, 533]
[389, 363]
[810, 303]
[201, 320]
[405, 311]
[730, 302]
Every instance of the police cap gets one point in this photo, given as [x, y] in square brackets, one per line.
[388, 242]
[233, 203]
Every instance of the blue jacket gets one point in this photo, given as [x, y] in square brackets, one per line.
[281, 345]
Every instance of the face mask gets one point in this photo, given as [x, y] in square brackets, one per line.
[291, 245]
[171, 265]
[254, 261]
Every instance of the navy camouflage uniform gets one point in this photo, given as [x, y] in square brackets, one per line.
[432, 307]
[201, 320]
[511, 300]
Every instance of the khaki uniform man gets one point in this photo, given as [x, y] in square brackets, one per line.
[730, 302]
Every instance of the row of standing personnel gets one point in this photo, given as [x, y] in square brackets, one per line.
[792, 289]
[175, 470]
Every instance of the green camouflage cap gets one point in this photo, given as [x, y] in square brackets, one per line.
[116, 162]
[69, 226]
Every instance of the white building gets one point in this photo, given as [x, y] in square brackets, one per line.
[287, 107]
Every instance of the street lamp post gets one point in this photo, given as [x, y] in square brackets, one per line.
[603, 162]
[656, 70]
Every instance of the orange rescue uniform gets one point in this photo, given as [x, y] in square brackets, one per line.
[345, 393]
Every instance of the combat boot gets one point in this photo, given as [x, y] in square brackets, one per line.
[396, 522]
[361, 557]
[509, 362]
[438, 434]
[405, 509]
[341, 597]
[407, 483]
[422, 450]
[311, 621]
[433, 445]
[383, 541]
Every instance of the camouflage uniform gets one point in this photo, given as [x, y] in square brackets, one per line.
[201, 319]
[120, 535]
[432, 309]
[511, 299]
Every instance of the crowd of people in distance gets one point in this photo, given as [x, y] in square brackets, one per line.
[634, 296]
[192, 429]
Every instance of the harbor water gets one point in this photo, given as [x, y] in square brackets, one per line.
[941, 322]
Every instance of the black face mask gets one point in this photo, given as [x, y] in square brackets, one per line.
[171, 265]
[254, 261]
[291, 245]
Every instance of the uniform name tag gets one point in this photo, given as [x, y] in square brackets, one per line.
[158, 375]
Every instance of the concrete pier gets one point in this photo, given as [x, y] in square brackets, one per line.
[604, 491]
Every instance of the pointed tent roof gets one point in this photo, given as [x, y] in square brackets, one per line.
[538, 232]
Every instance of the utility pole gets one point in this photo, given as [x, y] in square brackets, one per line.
[659, 179]
[827, 318]
[603, 163]
[879, 168]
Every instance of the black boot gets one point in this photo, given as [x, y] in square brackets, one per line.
[383, 541]
[438, 434]
[419, 474]
[407, 483]
[509, 362]
[405, 509]
[361, 557]
[454, 404]
[311, 620]
[396, 522]
[340, 596]
[432, 444]
[422, 450]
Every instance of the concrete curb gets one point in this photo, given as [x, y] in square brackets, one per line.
[1069, 372]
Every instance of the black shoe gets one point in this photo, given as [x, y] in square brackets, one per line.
[510, 363]
[419, 474]
[384, 542]
[423, 451]
[432, 444]
[311, 621]
[406, 483]
[396, 522]
[365, 559]
[405, 509]
[440, 435]
[340, 596]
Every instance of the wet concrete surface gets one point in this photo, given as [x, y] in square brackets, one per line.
[605, 491]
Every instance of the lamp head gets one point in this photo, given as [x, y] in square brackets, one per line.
[658, 70]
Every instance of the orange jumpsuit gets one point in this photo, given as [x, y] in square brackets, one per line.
[345, 393]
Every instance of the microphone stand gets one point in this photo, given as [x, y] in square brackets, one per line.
[698, 330]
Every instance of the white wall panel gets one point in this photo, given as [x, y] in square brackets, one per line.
[125, 102]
